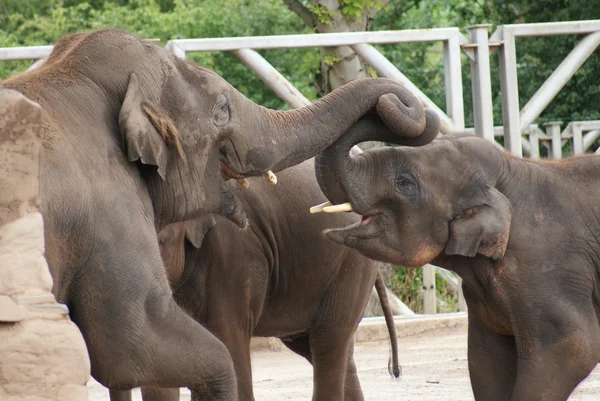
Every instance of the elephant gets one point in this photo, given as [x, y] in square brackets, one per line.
[522, 234]
[135, 138]
[280, 277]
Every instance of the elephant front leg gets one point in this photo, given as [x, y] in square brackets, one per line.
[492, 362]
[550, 367]
[136, 334]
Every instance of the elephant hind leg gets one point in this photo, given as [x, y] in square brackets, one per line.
[352, 389]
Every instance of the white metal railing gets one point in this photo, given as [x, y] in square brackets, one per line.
[361, 43]
[478, 46]
[515, 121]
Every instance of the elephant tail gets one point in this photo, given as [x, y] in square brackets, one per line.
[393, 365]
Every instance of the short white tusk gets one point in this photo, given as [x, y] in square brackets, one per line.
[243, 182]
[319, 208]
[272, 178]
[344, 207]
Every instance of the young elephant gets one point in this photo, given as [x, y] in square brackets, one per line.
[522, 234]
[280, 277]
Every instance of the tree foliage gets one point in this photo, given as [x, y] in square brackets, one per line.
[38, 22]
[171, 19]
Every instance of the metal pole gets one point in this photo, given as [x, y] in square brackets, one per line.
[578, 148]
[270, 76]
[510, 93]
[590, 138]
[386, 69]
[534, 151]
[175, 49]
[558, 79]
[429, 307]
[553, 132]
[453, 82]
[482, 86]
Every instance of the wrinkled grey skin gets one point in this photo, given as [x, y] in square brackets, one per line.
[281, 277]
[133, 140]
[522, 234]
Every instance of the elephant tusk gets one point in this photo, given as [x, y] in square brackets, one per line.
[272, 178]
[344, 207]
[243, 182]
[319, 208]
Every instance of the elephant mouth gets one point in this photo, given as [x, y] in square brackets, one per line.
[229, 157]
[369, 227]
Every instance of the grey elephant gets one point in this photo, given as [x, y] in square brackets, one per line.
[522, 234]
[135, 139]
[280, 277]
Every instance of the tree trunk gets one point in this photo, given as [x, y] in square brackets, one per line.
[339, 65]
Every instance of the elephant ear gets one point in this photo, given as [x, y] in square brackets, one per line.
[196, 229]
[483, 227]
[146, 129]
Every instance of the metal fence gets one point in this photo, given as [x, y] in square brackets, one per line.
[520, 136]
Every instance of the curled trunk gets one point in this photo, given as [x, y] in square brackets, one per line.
[282, 139]
[335, 162]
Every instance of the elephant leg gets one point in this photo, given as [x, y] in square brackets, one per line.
[352, 389]
[119, 395]
[239, 348]
[159, 394]
[558, 356]
[492, 363]
[137, 336]
[330, 363]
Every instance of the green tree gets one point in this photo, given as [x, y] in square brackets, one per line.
[165, 20]
[339, 65]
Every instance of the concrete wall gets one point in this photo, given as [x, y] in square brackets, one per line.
[42, 353]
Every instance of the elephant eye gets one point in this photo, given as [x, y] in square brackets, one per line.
[405, 184]
[221, 111]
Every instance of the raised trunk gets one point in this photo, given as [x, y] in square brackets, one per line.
[336, 163]
[280, 139]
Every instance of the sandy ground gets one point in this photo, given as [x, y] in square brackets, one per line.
[434, 368]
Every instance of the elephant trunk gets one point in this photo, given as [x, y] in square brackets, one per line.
[335, 165]
[280, 139]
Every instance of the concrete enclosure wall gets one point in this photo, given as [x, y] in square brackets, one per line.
[42, 353]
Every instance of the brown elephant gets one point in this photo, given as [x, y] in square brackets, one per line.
[279, 278]
[522, 234]
[135, 139]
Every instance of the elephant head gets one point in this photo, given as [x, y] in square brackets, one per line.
[418, 204]
[187, 128]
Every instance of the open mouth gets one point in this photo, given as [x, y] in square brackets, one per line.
[366, 220]
[370, 225]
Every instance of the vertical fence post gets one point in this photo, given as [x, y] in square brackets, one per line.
[535, 145]
[553, 132]
[577, 148]
[429, 289]
[481, 82]
[510, 93]
[453, 82]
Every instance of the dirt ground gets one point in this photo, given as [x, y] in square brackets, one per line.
[434, 368]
